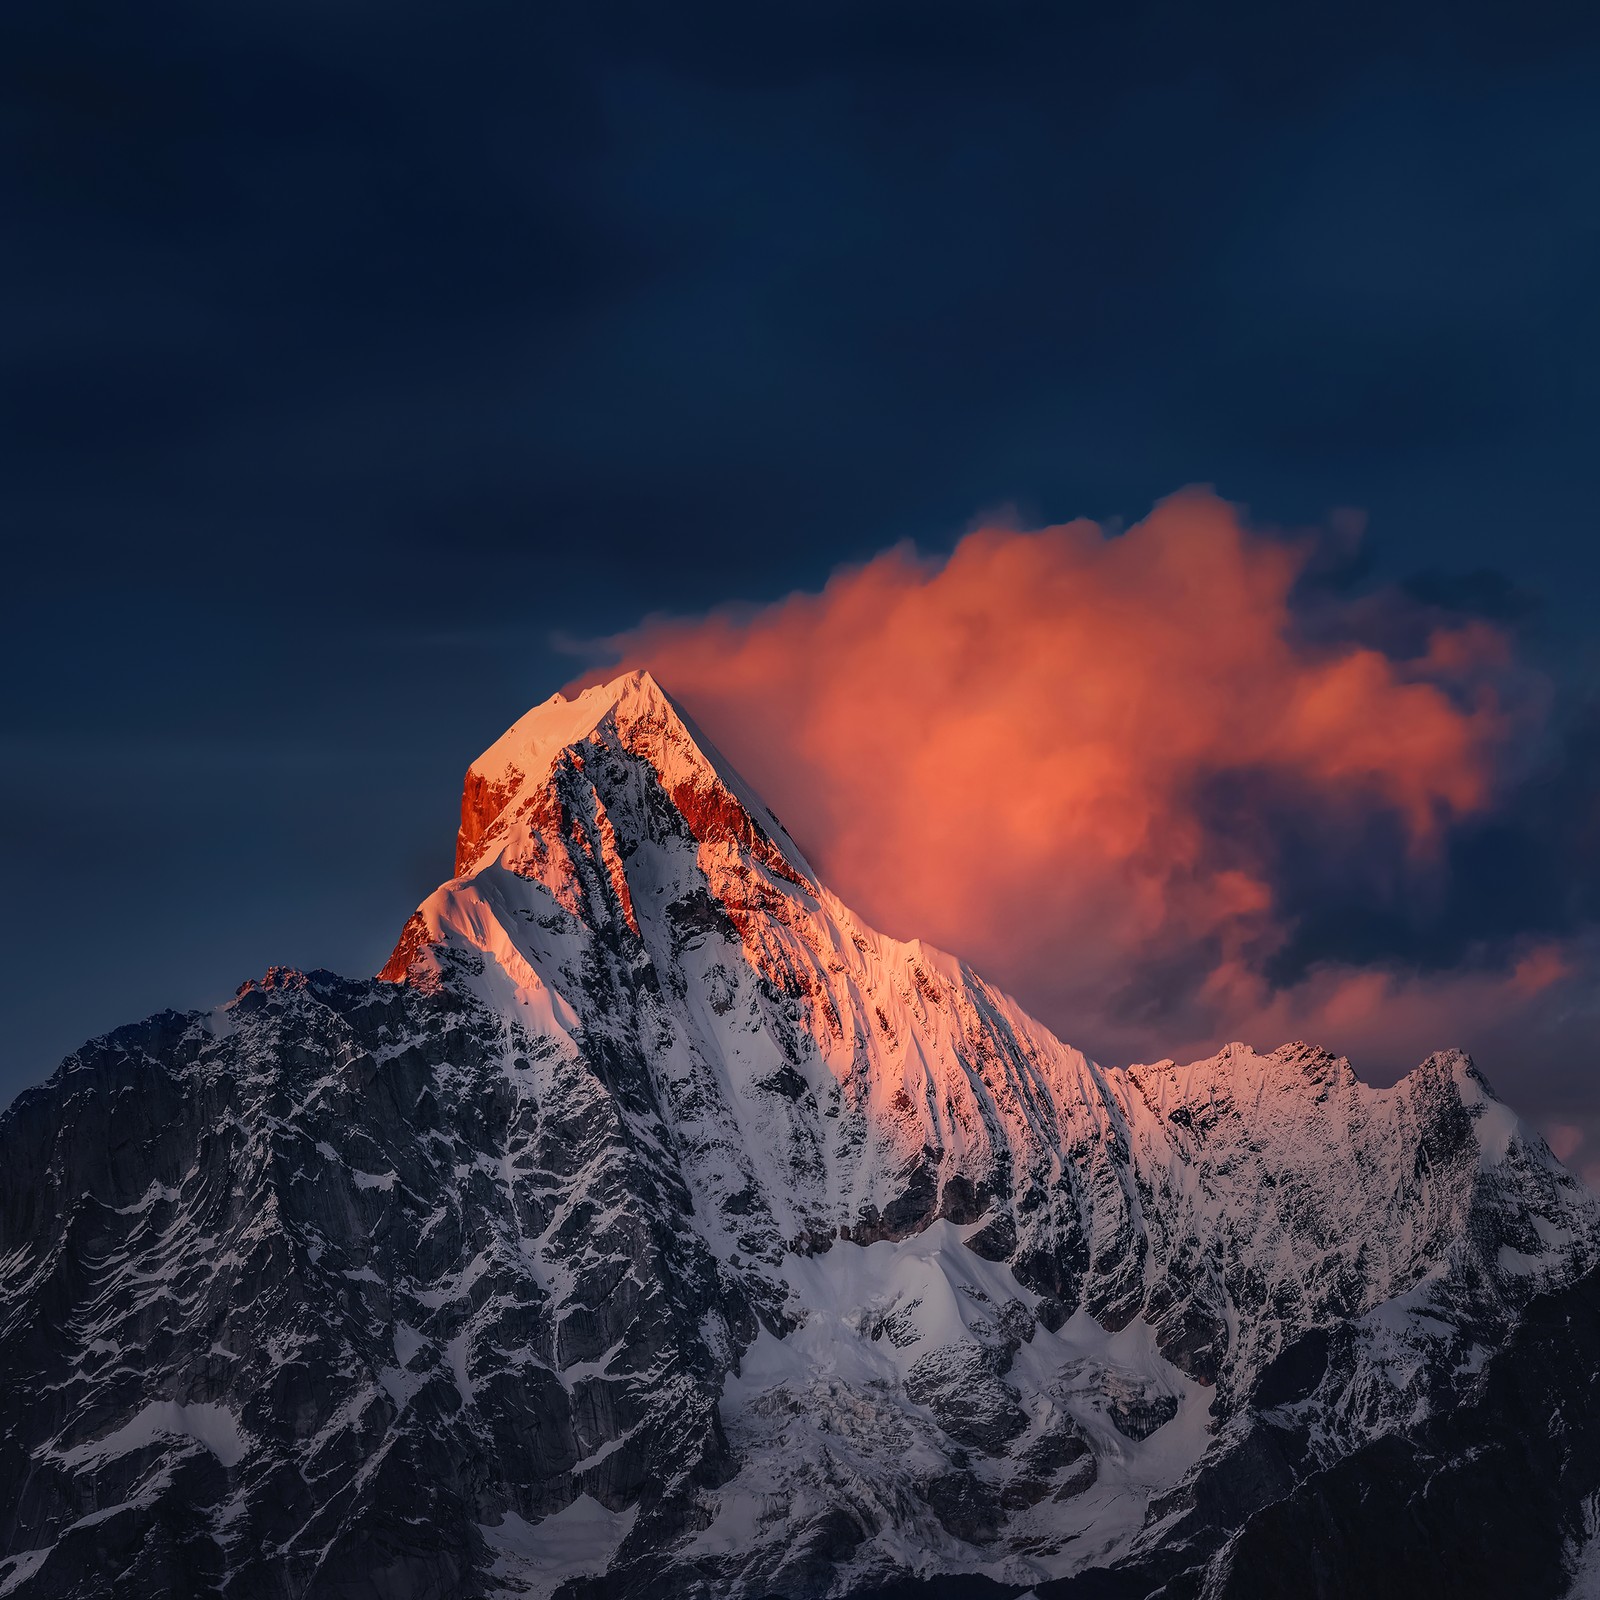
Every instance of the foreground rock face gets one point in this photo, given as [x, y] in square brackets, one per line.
[655, 1227]
[279, 1314]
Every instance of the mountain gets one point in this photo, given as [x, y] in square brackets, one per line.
[653, 1227]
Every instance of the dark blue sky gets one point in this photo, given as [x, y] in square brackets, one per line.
[354, 357]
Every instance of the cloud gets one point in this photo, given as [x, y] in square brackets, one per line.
[1121, 776]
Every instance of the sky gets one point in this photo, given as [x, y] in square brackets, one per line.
[1176, 423]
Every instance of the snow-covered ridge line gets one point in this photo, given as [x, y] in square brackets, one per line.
[833, 1082]
[658, 1226]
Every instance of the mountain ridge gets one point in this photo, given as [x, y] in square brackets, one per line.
[653, 1225]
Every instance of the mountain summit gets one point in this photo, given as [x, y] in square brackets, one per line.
[652, 1226]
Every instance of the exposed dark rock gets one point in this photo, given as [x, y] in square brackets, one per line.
[967, 1508]
[1493, 1498]
[1294, 1373]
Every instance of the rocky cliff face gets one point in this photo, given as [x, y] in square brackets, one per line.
[655, 1227]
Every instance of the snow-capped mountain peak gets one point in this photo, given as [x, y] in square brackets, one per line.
[657, 1226]
[643, 719]
[822, 1082]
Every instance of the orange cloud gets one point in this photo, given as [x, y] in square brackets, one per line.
[1564, 1138]
[1386, 1020]
[1008, 752]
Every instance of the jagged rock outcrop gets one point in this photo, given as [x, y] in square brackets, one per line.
[654, 1227]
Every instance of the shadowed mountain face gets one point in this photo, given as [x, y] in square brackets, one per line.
[654, 1227]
